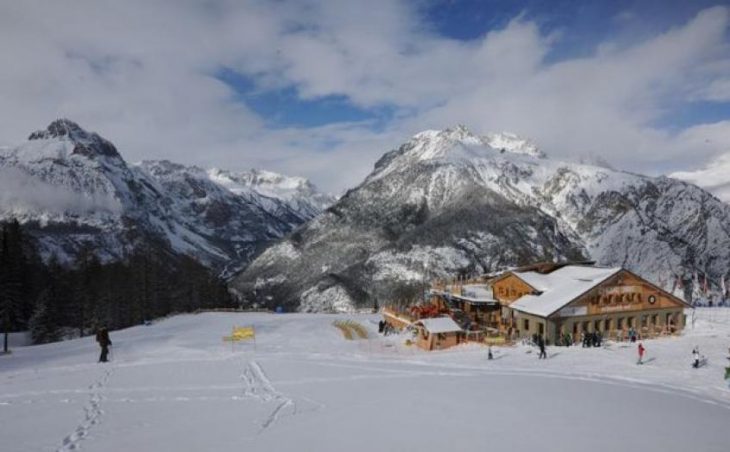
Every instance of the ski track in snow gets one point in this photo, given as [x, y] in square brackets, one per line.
[92, 416]
[258, 386]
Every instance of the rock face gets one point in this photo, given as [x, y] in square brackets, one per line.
[450, 203]
[73, 190]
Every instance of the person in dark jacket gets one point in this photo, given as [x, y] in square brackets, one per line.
[541, 344]
[102, 337]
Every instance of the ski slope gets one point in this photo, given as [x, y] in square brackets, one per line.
[176, 386]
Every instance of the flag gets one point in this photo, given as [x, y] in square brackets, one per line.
[704, 285]
[241, 333]
[722, 286]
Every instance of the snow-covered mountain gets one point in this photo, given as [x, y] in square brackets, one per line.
[297, 192]
[451, 202]
[73, 189]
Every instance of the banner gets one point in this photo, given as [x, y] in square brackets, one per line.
[241, 333]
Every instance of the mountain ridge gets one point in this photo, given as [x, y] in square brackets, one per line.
[73, 181]
[451, 201]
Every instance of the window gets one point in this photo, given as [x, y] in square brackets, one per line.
[643, 321]
[620, 324]
[597, 325]
[541, 329]
[607, 325]
[526, 324]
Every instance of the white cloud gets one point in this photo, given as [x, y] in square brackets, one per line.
[141, 74]
[21, 193]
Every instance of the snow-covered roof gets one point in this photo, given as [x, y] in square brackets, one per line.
[559, 287]
[439, 325]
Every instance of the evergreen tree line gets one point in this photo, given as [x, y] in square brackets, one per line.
[51, 299]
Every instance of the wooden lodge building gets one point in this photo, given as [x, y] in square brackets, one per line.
[555, 299]
[438, 333]
[578, 298]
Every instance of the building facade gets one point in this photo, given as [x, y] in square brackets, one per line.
[576, 299]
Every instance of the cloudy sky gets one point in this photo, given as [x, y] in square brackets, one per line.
[322, 88]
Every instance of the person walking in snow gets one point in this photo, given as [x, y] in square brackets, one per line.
[696, 357]
[102, 337]
[642, 350]
[541, 344]
[489, 353]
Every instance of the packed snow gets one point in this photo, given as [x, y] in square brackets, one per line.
[175, 385]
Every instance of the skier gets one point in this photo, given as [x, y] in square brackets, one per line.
[381, 326]
[541, 344]
[489, 353]
[102, 337]
[696, 357]
[642, 350]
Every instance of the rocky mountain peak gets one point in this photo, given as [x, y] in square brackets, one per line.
[454, 145]
[58, 129]
[510, 142]
[459, 142]
[86, 143]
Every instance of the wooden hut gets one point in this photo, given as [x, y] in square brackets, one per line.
[437, 333]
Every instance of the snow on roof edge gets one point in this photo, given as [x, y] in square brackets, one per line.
[440, 325]
[549, 304]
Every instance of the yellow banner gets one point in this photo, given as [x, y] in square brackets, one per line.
[241, 333]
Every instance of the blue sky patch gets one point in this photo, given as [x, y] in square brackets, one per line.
[285, 108]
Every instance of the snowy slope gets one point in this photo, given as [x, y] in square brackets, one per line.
[175, 385]
[73, 189]
[297, 192]
[451, 202]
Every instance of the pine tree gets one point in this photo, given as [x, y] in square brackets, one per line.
[43, 323]
[11, 295]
